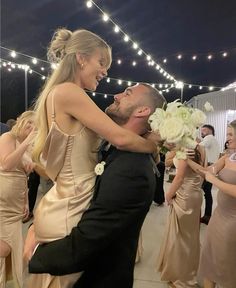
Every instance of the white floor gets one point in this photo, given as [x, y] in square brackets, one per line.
[152, 231]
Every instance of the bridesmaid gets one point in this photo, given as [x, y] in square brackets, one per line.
[15, 164]
[180, 251]
[218, 259]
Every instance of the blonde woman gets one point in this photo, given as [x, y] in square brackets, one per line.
[218, 259]
[69, 123]
[15, 164]
[180, 250]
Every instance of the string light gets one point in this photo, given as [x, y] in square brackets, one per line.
[105, 17]
[89, 4]
[54, 66]
[126, 38]
[13, 65]
[117, 29]
[13, 54]
[134, 44]
[209, 57]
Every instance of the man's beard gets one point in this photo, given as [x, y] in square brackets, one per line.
[117, 116]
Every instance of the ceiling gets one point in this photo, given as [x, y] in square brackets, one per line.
[163, 29]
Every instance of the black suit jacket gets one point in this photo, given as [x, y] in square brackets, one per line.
[104, 242]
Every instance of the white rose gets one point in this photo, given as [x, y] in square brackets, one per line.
[172, 106]
[99, 168]
[198, 118]
[172, 130]
[156, 119]
[208, 107]
[188, 142]
[184, 114]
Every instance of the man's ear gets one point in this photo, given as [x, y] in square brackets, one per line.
[142, 111]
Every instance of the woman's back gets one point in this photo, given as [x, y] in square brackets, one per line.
[69, 161]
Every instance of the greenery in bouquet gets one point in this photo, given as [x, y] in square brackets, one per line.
[177, 124]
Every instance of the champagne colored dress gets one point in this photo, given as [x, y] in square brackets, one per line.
[70, 162]
[180, 250]
[218, 257]
[13, 190]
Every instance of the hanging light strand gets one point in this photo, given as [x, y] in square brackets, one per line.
[14, 54]
[135, 45]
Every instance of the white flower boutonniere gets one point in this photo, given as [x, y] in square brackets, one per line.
[99, 168]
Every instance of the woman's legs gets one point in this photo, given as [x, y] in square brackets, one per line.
[5, 250]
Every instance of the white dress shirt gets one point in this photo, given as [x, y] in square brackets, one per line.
[212, 148]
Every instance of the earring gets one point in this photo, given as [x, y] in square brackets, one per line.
[82, 65]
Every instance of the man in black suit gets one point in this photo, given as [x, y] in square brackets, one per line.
[104, 243]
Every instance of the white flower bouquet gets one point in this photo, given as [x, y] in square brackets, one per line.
[177, 124]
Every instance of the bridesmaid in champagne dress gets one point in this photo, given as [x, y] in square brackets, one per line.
[69, 123]
[15, 163]
[218, 257]
[180, 251]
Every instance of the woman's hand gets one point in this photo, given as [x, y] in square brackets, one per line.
[30, 244]
[169, 198]
[28, 166]
[190, 153]
[30, 138]
[209, 177]
[154, 137]
[26, 210]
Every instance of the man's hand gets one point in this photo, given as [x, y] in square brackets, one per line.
[30, 244]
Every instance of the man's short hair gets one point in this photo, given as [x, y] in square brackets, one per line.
[156, 99]
[209, 127]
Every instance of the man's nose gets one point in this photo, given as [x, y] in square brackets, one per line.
[117, 97]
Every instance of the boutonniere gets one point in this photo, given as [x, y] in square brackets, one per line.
[99, 168]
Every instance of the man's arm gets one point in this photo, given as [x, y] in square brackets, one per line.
[121, 197]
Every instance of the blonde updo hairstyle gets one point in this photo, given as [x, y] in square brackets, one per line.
[21, 122]
[62, 50]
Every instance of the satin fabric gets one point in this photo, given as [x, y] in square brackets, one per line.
[180, 250]
[218, 257]
[13, 193]
[70, 161]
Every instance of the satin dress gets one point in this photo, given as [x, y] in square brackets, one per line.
[180, 250]
[218, 257]
[13, 193]
[69, 161]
